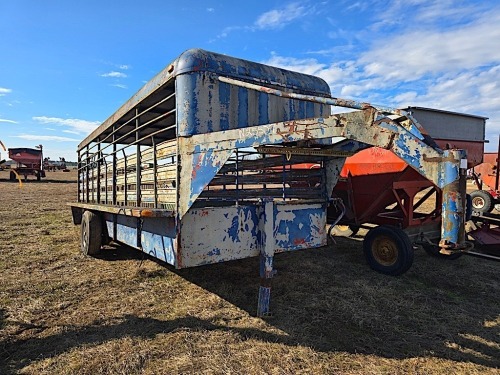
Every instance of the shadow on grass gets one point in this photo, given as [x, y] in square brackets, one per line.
[327, 299]
[2, 318]
[330, 300]
[19, 353]
[114, 252]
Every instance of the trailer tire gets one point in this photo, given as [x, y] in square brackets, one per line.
[91, 233]
[345, 230]
[388, 250]
[12, 176]
[434, 251]
[482, 201]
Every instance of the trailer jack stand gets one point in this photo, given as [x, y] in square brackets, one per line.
[266, 276]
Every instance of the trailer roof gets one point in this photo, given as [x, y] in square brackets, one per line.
[444, 111]
[198, 60]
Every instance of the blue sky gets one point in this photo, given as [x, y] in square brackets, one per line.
[66, 66]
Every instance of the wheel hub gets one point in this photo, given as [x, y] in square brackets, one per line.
[385, 251]
[478, 202]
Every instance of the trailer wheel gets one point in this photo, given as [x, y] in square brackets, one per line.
[91, 233]
[12, 176]
[482, 201]
[388, 250]
[434, 251]
[345, 230]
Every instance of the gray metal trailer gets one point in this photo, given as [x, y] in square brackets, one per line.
[202, 165]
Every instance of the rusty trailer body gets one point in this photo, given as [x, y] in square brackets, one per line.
[198, 166]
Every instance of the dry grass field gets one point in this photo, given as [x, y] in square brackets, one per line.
[124, 313]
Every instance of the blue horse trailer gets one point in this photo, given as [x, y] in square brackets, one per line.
[205, 164]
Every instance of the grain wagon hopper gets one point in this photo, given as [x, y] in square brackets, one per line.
[29, 162]
[378, 188]
[197, 167]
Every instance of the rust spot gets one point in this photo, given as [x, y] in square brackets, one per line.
[437, 159]
[299, 241]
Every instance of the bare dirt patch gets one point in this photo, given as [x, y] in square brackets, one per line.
[63, 313]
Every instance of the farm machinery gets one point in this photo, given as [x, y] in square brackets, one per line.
[203, 165]
[485, 225]
[486, 178]
[29, 162]
[377, 188]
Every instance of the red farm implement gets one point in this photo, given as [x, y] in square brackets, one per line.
[400, 207]
[486, 178]
[29, 162]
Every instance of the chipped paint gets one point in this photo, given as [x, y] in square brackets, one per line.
[214, 114]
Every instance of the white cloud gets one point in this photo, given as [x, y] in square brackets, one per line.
[76, 125]
[4, 91]
[278, 18]
[210, 10]
[114, 74]
[429, 51]
[124, 67]
[8, 121]
[70, 132]
[33, 137]
[119, 86]
[308, 66]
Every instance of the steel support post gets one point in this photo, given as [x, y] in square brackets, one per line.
[266, 258]
[454, 200]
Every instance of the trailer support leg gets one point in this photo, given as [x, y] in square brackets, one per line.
[266, 259]
[454, 203]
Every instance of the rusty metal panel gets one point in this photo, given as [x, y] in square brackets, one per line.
[205, 104]
[217, 234]
[158, 235]
[299, 226]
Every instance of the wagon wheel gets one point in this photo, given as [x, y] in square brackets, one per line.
[91, 233]
[345, 230]
[482, 201]
[434, 251]
[388, 250]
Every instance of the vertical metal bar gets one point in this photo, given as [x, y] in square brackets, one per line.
[98, 171]
[138, 161]
[125, 182]
[237, 174]
[113, 168]
[498, 165]
[87, 166]
[283, 180]
[106, 179]
[454, 201]
[114, 181]
[267, 246]
[80, 176]
[155, 176]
